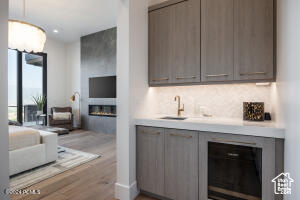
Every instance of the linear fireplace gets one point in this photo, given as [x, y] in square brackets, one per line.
[234, 172]
[103, 110]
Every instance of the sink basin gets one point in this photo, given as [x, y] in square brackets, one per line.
[174, 118]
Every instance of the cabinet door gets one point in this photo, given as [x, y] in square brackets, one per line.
[254, 56]
[150, 159]
[160, 45]
[181, 164]
[217, 40]
[186, 42]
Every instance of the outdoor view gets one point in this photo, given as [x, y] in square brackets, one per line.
[12, 85]
[32, 84]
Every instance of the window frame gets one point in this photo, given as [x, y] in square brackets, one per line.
[20, 83]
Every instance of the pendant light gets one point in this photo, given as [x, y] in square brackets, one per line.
[24, 36]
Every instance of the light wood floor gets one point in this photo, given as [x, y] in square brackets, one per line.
[92, 181]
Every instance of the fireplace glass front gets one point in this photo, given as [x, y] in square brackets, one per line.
[234, 172]
[103, 110]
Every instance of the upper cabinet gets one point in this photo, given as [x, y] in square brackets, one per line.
[160, 45]
[253, 40]
[210, 41]
[217, 40]
[186, 42]
[174, 42]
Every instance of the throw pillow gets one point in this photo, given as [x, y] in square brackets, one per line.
[61, 115]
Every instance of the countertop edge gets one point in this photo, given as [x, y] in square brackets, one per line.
[258, 131]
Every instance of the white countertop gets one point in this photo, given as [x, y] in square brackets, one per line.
[219, 125]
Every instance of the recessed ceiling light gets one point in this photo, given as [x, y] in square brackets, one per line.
[55, 31]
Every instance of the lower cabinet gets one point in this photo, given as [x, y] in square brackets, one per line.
[181, 164]
[191, 165]
[150, 159]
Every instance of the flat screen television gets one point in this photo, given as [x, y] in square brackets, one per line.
[102, 87]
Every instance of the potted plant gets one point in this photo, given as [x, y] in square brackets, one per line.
[39, 101]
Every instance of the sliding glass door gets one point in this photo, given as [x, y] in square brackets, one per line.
[32, 66]
[27, 79]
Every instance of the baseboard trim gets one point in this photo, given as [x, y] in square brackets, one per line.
[125, 192]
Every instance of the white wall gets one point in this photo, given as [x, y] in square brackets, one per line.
[57, 73]
[73, 76]
[132, 88]
[63, 74]
[288, 60]
[3, 100]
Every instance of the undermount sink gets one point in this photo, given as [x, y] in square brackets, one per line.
[174, 118]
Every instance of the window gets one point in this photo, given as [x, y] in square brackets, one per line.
[27, 77]
[12, 85]
[32, 85]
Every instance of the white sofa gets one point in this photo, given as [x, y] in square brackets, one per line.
[30, 157]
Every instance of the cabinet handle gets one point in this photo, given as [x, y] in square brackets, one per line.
[152, 133]
[180, 135]
[233, 154]
[217, 75]
[252, 73]
[189, 77]
[232, 141]
[160, 79]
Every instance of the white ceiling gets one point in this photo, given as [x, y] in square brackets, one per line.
[72, 18]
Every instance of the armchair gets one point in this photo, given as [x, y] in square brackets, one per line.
[61, 123]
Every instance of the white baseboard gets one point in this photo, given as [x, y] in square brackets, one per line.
[124, 192]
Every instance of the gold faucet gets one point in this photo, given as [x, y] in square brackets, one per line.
[179, 110]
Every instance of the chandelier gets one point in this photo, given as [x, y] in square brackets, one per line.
[24, 36]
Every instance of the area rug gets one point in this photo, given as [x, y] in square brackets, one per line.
[67, 159]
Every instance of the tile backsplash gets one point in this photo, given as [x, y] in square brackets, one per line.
[224, 101]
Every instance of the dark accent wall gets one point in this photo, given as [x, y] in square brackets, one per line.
[98, 58]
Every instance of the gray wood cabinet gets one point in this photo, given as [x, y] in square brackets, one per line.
[186, 41]
[236, 39]
[217, 40]
[173, 163]
[174, 44]
[253, 40]
[181, 164]
[160, 45]
[150, 159]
